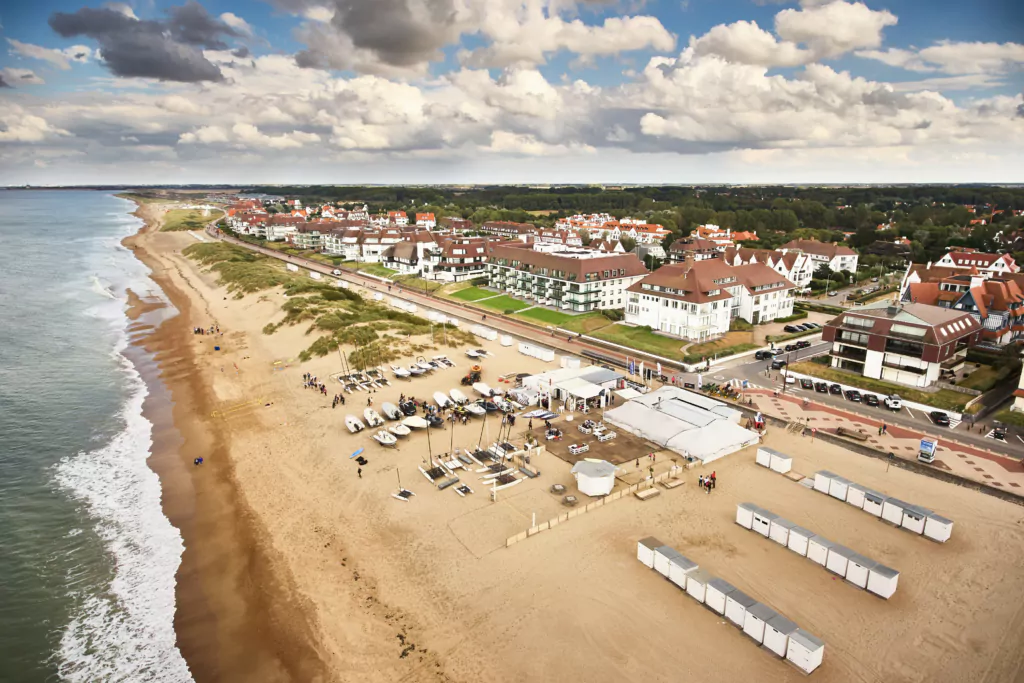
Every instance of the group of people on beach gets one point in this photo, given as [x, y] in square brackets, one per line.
[708, 482]
[309, 381]
[213, 329]
[338, 399]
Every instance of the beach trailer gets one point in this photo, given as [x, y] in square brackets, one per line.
[764, 456]
[838, 488]
[779, 531]
[292, 267]
[858, 568]
[805, 650]
[823, 481]
[798, 539]
[882, 580]
[776, 634]
[781, 463]
[736, 605]
[938, 528]
[679, 568]
[662, 558]
[817, 549]
[838, 559]
[763, 521]
[697, 583]
[892, 510]
[915, 517]
[874, 502]
[757, 616]
[855, 496]
[715, 594]
[745, 514]
[645, 548]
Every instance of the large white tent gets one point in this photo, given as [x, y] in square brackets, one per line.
[685, 422]
[594, 477]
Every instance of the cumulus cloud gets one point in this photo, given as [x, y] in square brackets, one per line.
[240, 25]
[744, 42]
[505, 142]
[59, 58]
[953, 57]
[15, 77]
[169, 50]
[19, 125]
[246, 135]
[3, 82]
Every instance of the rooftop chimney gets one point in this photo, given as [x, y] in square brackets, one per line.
[892, 310]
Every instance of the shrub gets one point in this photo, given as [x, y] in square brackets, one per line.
[614, 314]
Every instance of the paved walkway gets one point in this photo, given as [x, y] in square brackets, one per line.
[965, 461]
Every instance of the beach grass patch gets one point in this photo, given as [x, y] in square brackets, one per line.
[188, 219]
[471, 294]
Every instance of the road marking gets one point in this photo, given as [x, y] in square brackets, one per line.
[1018, 437]
[911, 413]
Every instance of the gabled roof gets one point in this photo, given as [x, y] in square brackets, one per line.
[817, 248]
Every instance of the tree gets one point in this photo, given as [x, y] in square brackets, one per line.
[586, 238]
[628, 243]
[652, 262]
[822, 272]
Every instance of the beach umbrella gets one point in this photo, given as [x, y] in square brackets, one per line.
[355, 454]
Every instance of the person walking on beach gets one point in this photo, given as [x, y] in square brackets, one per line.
[369, 402]
[714, 479]
[700, 481]
[360, 472]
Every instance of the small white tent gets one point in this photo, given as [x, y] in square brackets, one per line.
[594, 477]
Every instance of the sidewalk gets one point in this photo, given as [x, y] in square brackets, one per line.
[964, 461]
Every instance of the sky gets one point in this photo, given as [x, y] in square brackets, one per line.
[511, 91]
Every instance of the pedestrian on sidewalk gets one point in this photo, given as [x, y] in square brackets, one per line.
[879, 430]
[885, 428]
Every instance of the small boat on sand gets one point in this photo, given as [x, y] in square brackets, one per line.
[373, 419]
[444, 360]
[400, 372]
[442, 399]
[425, 366]
[385, 438]
[353, 424]
[473, 353]
[458, 397]
[399, 430]
[415, 422]
[390, 411]
[484, 390]
[435, 422]
[474, 409]
[416, 370]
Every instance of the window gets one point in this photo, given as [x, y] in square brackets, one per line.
[852, 321]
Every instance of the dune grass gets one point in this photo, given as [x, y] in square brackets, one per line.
[188, 219]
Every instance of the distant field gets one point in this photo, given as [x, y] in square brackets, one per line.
[471, 294]
[544, 212]
[187, 219]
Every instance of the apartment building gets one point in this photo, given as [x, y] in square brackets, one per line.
[994, 264]
[910, 343]
[568, 278]
[795, 266]
[696, 300]
[455, 259]
[837, 257]
[409, 256]
[508, 229]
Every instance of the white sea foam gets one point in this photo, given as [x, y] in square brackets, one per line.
[126, 632]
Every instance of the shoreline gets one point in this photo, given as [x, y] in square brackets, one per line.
[234, 619]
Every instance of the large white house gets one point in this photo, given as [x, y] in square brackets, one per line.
[837, 257]
[996, 264]
[696, 300]
[795, 266]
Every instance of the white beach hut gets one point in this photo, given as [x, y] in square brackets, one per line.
[763, 521]
[823, 481]
[662, 559]
[805, 651]
[736, 605]
[645, 548]
[798, 538]
[594, 477]
[892, 510]
[938, 528]
[776, 634]
[781, 463]
[817, 549]
[716, 593]
[838, 559]
[858, 568]
[838, 487]
[779, 531]
[915, 517]
[757, 616]
[680, 567]
[697, 584]
[882, 580]
[745, 514]
[855, 496]
[764, 456]
[874, 502]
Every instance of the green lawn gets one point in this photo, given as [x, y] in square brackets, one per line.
[546, 315]
[985, 377]
[642, 339]
[188, 219]
[376, 269]
[471, 294]
[1010, 417]
[504, 303]
[945, 399]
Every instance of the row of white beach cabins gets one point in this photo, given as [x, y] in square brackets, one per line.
[766, 626]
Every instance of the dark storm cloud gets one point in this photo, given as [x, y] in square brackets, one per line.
[241, 52]
[168, 50]
[3, 83]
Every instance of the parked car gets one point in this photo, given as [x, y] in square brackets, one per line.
[763, 354]
[336, 272]
[893, 402]
[814, 326]
[835, 389]
[806, 383]
[778, 364]
[832, 293]
[940, 418]
[999, 433]
[790, 329]
[803, 345]
[853, 395]
[790, 347]
[874, 279]
[777, 352]
[821, 387]
[871, 400]
[803, 327]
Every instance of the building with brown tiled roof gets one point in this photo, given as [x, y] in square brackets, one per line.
[697, 247]
[996, 264]
[795, 266]
[912, 343]
[456, 258]
[836, 256]
[568, 278]
[509, 229]
[696, 300]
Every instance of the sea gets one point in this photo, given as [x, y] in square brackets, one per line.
[87, 558]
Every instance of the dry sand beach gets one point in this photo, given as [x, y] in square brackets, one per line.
[296, 569]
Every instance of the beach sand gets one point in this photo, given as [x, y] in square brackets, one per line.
[297, 569]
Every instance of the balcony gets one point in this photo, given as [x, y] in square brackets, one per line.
[903, 348]
[849, 354]
[844, 340]
[904, 368]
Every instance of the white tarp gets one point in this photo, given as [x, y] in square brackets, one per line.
[594, 477]
[580, 388]
[627, 394]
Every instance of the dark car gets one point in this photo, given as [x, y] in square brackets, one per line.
[853, 395]
[790, 328]
[763, 355]
[813, 326]
[871, 400]
[803, 327]
[806, 383]
[803, 345]
[821, 387]
[778, 364]
[999, 433]
[790, 347]
[835, 389]
[940, 418]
